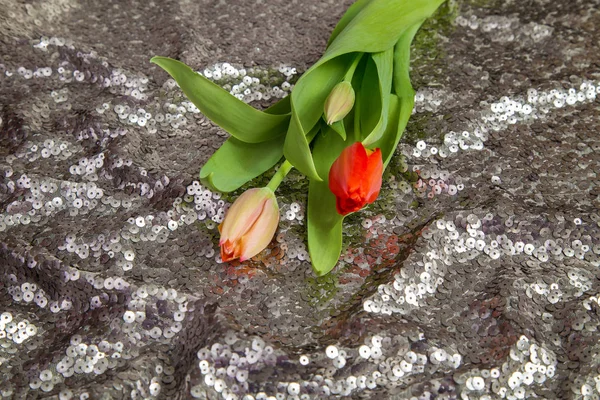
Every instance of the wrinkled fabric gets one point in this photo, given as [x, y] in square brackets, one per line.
[474, 274]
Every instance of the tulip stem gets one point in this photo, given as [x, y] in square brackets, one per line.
[286, 166]
[350, 72]
[280, 174]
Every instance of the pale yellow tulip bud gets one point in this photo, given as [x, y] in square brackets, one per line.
[339, 102]
[249, 224]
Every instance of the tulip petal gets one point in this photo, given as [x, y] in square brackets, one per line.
[243, 214]
[347, 205]
[339, 102]
[258, 237]
[229, 251]
[355, 178]
[347, 170]
[373, 176]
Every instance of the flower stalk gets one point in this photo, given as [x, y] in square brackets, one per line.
[350, 73]
[280, 175]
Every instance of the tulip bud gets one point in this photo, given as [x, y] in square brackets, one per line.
[355, 178]
[339, 102]
[249, 224]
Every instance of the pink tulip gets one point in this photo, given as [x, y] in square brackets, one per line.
[249, 224]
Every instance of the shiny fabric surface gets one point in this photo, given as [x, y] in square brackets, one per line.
[475, 275]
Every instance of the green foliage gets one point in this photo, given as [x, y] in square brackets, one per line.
[324, 223]
[384, 110]
[370, 48]
[240, 120]
[375, 104]
[308, 99]
[251, 160]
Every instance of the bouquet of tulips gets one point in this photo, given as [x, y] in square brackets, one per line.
[340, 127]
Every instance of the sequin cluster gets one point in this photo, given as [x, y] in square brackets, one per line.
[474, 275]
[227, 366]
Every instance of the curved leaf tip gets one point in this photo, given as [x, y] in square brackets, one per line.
[239, 119]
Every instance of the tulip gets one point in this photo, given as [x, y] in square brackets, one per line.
[355, 178]
[249, 224]
[339, 102]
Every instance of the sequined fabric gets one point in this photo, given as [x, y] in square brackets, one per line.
[474, 276]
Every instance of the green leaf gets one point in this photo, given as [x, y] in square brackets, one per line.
[373, 26]
[368, 101]
[308, 99]
[376, 106]
[378, 26]
[339, 128]
[324, 228]
[390, 138]
[401, 81]
[233, 115]
[323, 221]
[324, 224]
[402, 102]
[353, 120]
[237, 162]
[283, 106]
[348, 16]
[297, 151]
[399, 113]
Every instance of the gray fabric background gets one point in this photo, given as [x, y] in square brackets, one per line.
[475, 275]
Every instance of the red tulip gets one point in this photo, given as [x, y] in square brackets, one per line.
[355, 178]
